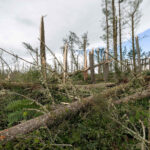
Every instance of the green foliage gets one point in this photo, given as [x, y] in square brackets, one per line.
[90, 130]
[21, 110]
[19, 105]
[3, 115]
[136, 111]
[78, 76]
[146, 73]
[33, 75]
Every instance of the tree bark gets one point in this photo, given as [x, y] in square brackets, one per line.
[133, 45]
[138, 54]
[149, 126]
[91, 59]
[85, 58]
[120, 32]
[65, 63]
[114, 37]
[56, 116]
[98, 61]
[37, 56]
[106, 67]
[149, 63]
[101, 63]
[134, 97]
[42, 49]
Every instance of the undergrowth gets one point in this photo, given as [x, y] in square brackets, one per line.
[101, 127]
[21, 110]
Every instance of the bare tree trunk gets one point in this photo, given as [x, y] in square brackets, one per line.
[91, 59]
[55, 65]
[106, 65]
[37, 56]
[107, 38]
[114, 37]
[149, 126]
[65, 63]
[149, 63]
[85, 60]
[117, 37]
[120, 33]
[42, 49]
[3, 70]
[133, 45]
[138, 54]
[98, 61]
[145, 63]
[78, 62]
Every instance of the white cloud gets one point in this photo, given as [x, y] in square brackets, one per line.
[20, 21]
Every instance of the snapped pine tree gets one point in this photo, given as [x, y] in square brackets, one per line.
[133, 44]
[98, 61]
[135, 18]
[149, 63]
[115, 37]
[42, 49]
[65, 62]
[106, 66]
[91, 60]
[138, 53]
[120, 30]
[85, 56]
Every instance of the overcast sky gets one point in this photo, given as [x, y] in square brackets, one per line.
[20, 21]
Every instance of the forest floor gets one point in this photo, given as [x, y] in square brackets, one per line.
[102, 126]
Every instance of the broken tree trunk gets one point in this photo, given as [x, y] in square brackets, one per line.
[37, 56]
[115, 37]
[120, 31]
[107, 39]
[133, 46]
[106, 66]
[149, 126]
[149, 63]
[138, 54]
[65, 63]
[136, 96]
[60, 114]
[97, 65]
[85, 58]
[49, 119]
[91, 60]
[42, 49]
[98, 61]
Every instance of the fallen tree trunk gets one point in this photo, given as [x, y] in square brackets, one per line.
[49, 119]
[88, 68]
[91, 86]
[58, 115]
[134, 97]
[12, 85]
